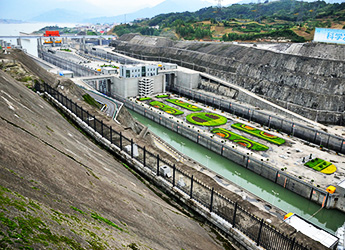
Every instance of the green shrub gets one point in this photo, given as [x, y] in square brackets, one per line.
[166, 108]
[88, 99]
[206, 119]
[243, 141]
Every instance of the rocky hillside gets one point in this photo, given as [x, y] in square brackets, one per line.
[59, 190]
[308, 80]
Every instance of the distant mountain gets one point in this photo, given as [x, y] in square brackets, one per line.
[9, 21]
[167, 6]
[59, 16]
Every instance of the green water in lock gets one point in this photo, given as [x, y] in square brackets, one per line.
[328, 219]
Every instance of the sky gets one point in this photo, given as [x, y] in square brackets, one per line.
[26, 9]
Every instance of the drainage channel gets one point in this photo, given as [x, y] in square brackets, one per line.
[329, 220]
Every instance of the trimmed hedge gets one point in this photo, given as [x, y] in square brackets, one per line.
[321, 166]
[166, 108]
[206, 119]
[259, 133]
[144, 99]
[162, 96]
[243, 141]
[183, 104]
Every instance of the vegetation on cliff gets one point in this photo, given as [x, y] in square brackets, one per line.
[286, 19]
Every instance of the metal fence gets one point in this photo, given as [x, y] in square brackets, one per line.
[255, 228]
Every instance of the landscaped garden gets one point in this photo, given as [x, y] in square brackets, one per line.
[144, 99]
[206, 119]
[183, 104]
[243, 141]
[166, 108]
[163, 96]
[259, 133]
[321, 166]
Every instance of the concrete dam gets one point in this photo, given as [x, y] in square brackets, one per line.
[307, 79]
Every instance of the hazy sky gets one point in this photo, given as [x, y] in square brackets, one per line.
[26, 9]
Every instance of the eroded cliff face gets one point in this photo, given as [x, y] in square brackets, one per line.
[310, 81]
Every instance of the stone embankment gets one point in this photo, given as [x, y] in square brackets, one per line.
[307, 79]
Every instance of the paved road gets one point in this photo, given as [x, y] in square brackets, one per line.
[112, 106]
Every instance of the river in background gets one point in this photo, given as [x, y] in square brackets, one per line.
[29, 44]
[282, 198]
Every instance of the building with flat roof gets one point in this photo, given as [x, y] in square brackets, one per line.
[140, 70]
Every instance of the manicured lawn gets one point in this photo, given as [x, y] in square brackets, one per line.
[144, 98]
[162, 96]
[259, 133]
[243, 141]
[166, 108]
[321, 166]
[183, 104]
[206, 119]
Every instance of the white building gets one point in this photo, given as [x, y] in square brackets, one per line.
[133, 71]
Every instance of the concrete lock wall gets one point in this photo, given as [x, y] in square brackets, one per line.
[188, 79]
[260, 167]
[158, 84]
